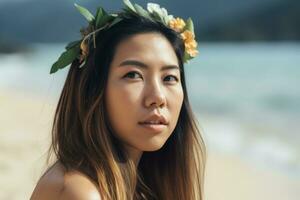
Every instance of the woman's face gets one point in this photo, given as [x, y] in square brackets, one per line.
[144, 87]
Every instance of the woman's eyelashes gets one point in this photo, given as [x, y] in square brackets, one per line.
[136, 75]
[131, 75]
[174, 78]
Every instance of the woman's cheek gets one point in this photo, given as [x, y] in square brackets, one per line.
[177, 94]
[177, 100]
[128, 94]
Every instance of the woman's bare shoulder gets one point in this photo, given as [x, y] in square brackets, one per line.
[56, 183]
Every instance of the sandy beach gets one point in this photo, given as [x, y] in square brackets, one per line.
[25, 122]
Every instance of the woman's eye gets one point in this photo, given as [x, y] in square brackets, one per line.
[133, 75]
[171, 78]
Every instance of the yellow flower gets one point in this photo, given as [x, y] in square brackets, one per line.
[189, 43]
[191, 48]
[177, 24]
[192, 52]
[187, 36]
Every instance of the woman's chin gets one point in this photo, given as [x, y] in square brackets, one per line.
[152, 147]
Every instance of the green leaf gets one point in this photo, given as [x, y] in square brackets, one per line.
[102, 18]
[189, 25]
[127, 13]
[141, 11]
[85, 12]
[72, 44]
[100, 15]
[65, 58]
[105, 19]
[129, 5]
[186, 57]
[116, 20]
[157, 17]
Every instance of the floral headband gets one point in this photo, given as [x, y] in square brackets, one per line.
[79, 49]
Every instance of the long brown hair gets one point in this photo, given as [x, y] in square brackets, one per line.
[82, 137]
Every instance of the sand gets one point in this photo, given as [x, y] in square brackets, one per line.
[25, 122]
[231, 178]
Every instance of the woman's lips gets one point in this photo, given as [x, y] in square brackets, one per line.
[153, 127]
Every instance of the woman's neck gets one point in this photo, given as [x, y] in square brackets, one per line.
[134, 154]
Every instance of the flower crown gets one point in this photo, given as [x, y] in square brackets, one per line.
[79, 49]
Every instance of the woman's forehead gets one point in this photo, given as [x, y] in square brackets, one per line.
[149, 48]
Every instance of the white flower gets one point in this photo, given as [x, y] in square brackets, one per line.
[153, 7]
[164, 12]
[170, 17]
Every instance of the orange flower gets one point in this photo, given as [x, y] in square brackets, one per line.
[187, 35]
[177, 24]
[190, 43]
[192, 52]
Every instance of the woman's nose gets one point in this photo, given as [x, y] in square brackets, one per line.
[154, 95]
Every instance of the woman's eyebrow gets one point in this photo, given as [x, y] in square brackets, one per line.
[143, 65]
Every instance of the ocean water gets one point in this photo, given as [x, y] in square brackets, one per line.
[247, 99]
[246, 96]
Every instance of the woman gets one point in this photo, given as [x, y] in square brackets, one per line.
[123, 127]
